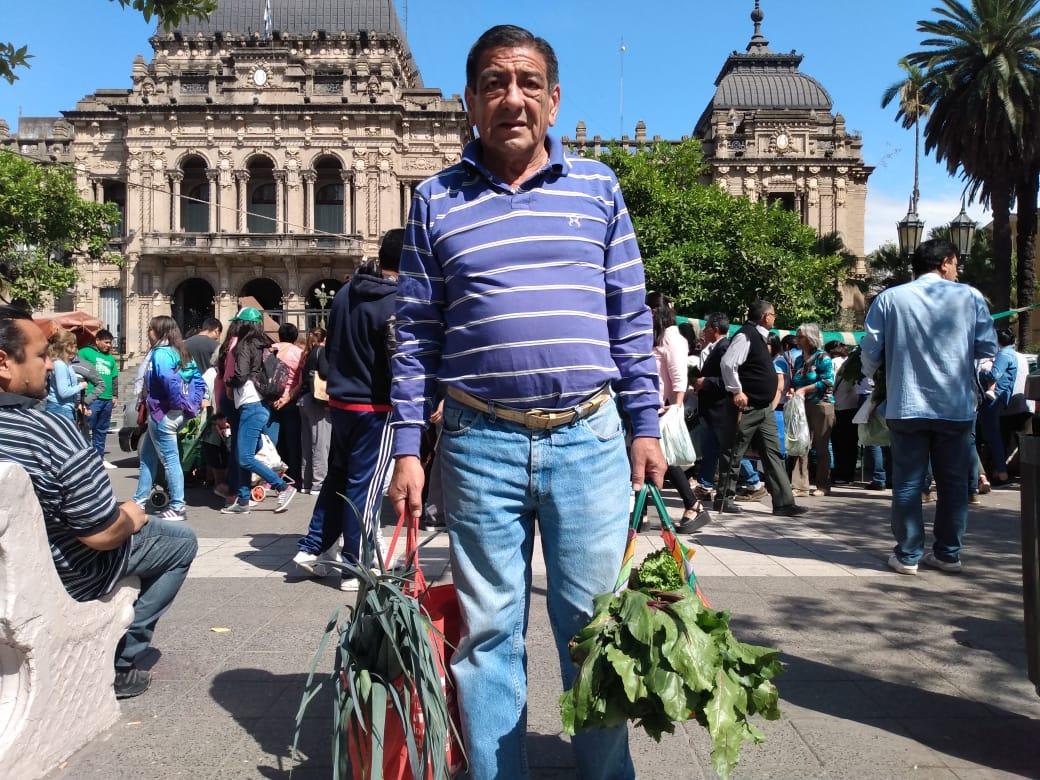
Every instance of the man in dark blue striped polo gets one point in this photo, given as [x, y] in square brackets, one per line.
[93, 541]
[521, 292]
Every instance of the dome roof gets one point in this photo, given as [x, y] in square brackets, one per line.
[299, 17]
[770, 89]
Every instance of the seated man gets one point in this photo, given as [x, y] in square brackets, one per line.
[93, 541]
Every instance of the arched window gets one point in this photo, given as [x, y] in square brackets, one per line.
[328, 209]
[195, 209]
[262, 208]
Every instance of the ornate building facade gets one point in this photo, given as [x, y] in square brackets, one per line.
[770, 133]
[252, 161]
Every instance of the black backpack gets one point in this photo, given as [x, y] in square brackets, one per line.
[274, 377]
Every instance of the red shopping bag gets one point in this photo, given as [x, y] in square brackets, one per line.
[440, 604]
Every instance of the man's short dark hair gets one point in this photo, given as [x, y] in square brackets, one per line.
[718, 320]
[789, 342]
[12, 337]
[931, 254]
[758, 309]
[390, 248]
[288, 333]
[509, 36]
[212, 323]
[1005, 337]
[104, 335]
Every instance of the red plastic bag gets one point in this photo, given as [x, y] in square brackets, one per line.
[441, 605]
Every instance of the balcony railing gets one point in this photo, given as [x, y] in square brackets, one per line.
[279, 244]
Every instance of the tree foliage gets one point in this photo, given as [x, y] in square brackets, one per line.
[168, 12]
[43, 222]
[710, 251]
[982, 80]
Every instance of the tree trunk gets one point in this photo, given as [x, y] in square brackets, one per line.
[1025, 244]
[1000, 200]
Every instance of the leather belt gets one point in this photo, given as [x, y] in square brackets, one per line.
[534, 419]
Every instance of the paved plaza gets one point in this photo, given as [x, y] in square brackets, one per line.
[887, 676]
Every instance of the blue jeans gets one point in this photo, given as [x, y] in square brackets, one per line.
[498, 479]
[948, 444]
[349, 501]
[160, 554]
[99, 420]
[989, 427]
[749, 476]
[158, 448]
[709, 455]
[252, 421]
[872, 455]
[60, 409]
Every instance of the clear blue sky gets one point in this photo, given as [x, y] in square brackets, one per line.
[675, 49]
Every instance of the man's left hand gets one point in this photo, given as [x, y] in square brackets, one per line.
[647, 461]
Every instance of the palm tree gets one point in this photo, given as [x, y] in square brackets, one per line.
[912, 109]
[982, 73]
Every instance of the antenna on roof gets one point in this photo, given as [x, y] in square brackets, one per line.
[758, 41]
[621, 97]
[405, 18]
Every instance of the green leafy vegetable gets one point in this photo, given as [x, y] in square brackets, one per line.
[657, 572]
[656, 655]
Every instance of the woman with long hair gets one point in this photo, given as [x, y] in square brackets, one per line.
[317, 426]
[165, 392]
[250, 348]
[813, 379]
[63, 386]
[671, 353]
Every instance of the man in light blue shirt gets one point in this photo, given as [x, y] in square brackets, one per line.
[928, 334]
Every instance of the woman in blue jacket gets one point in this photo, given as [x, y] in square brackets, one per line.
[1000, 380]
[172, 393]
[63, 385]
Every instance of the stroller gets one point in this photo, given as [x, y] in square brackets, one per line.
[189, 440]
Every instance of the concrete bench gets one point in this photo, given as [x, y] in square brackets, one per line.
[56, 654]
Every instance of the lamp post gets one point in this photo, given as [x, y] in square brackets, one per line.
[910, 231]
[962, 232]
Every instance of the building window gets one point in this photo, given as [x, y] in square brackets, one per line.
[262, 209]
[784, 200]
[328, 209]
[195, 214]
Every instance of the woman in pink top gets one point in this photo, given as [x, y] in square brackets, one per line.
[672, 352]
[285, 426]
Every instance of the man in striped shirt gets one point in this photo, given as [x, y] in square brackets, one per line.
[521, 294]
[93, 541]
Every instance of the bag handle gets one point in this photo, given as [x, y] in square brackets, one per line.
[417, 585]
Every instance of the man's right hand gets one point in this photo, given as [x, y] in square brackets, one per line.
[135, 512]
[740, 400]
[406, 486]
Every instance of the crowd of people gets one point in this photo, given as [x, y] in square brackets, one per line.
[506, 395]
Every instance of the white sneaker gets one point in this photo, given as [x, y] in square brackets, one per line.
[109, 466]
[349, 584]
[897, 565]
[929, 559]
[314, 565]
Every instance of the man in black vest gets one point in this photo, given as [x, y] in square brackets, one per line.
[750, 378]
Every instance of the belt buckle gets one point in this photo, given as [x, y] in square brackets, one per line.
[534, 421]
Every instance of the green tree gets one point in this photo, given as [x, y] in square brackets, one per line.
[710, 251]
[887, 268]
[168, 12]
[982, 71]
[43, 223]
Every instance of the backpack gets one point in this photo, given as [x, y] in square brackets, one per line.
[186, 395]
[273, 379]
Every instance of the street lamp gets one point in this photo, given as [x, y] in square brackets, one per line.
[910, 230]
[962, 232]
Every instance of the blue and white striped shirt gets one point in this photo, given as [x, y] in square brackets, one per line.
[532, 297]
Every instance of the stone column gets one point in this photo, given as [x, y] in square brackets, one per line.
[176, 177]
[213, 177]
[279, 202]
[406, 200]
[242, 183]
[309, 177]
[97, 186]
[348, 201]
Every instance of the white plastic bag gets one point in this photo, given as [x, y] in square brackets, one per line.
[268, 454]
[796, 427]
[675, 439]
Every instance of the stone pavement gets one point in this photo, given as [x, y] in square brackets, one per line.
[887, 676]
